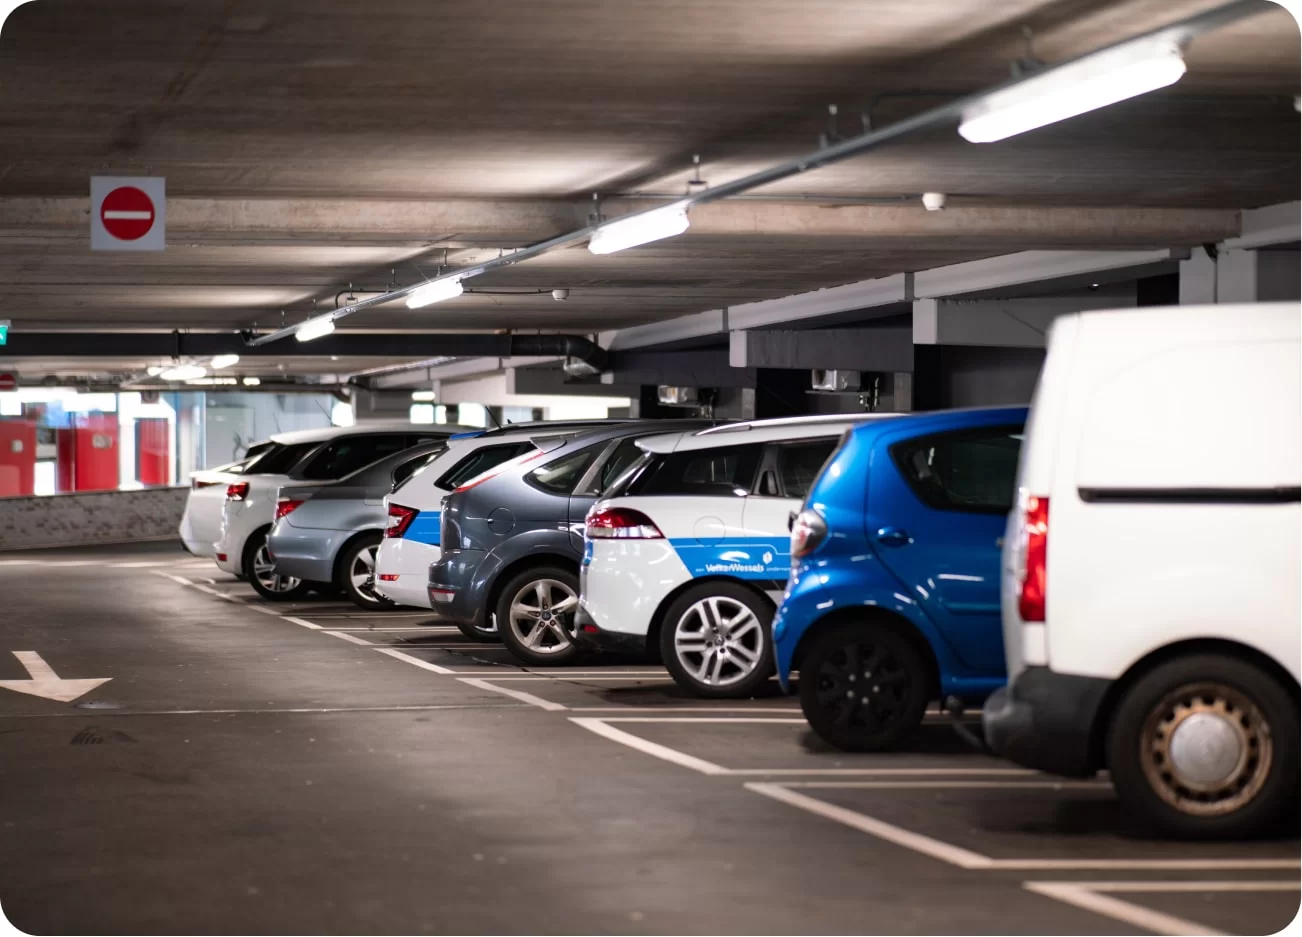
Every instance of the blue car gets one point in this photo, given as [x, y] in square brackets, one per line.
[893, 599]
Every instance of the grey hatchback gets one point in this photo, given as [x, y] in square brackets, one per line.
[513, 539]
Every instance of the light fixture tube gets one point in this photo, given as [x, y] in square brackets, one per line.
[183, 372]
[1092, 82]
[435, 292]
[314, 328]
[639, 229]
[223, 361]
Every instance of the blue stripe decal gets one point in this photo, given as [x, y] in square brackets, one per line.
[740, 557]
[425, 528]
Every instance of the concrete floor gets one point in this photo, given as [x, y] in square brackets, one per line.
[309, 768]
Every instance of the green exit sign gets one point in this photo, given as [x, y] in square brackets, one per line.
[4, 331]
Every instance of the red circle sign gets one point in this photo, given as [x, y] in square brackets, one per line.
[127, 213]
[8, 381]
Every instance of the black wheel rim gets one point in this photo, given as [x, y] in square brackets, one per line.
[864, 687]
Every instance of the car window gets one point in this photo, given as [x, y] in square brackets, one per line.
[800, 462]
[724, 470]
[279, 460]
[480, 461]
[966, 470]
[406, 471]
[561, 476]
[625, 454]
[347, 454]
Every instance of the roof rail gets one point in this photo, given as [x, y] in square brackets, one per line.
[792, 421]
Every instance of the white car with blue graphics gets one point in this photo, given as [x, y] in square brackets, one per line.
[414, 507]
[688, 552]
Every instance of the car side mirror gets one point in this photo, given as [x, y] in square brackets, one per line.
[791, 520]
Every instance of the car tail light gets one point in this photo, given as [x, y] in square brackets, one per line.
[387, 577]
[237, 491]
[400, 519]
[621, 524]
[284, 506]
[1035, 550]
[498, 470]
[808, 530]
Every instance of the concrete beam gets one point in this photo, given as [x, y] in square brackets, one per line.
[1263, 227]
[493, 391]
[494, 222]
[1003, 322]
[555, 382]
[454, 370]
[1050, 269]
[682, 368]
[881, 349]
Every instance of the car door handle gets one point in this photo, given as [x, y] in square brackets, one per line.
[893, 536]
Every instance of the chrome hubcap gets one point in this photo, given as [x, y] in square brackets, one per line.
[719, 641]
[265, 572]
[362, 574]
[1206, 749]
[542, 616]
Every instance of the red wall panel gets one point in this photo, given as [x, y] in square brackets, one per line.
[153, 452]
[17, 457]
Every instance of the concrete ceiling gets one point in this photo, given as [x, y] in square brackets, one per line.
[310, 145]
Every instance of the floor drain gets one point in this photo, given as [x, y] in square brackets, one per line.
[88, 737]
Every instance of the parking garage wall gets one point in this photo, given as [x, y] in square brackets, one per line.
[91, 517]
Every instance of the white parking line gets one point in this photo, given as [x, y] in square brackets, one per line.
[299, 621]
[654, 749]
[1091, 897]
[514, 694]
[966, 858]
[414, 661]
[347, 637]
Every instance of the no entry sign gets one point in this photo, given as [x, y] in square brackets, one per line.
[8, 381]
[127, 213]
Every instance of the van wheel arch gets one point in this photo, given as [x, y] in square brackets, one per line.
[508, 572]
[896, 623]
[658, 619]
[1108, 706]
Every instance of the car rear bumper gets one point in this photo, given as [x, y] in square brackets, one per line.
[408, 561]
[304, 553]
[587, 633]
[458, 586]
[1046, 720]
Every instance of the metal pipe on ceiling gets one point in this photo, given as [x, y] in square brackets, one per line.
[1180, 32]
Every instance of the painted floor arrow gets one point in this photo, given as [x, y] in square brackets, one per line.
[46, 683]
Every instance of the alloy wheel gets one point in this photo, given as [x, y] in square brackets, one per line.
[719, 641]
[264, 570]
[542, 616]
[361, 574]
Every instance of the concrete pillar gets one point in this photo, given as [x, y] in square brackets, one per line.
[1240, 276]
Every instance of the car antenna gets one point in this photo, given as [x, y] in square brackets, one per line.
[488, 411]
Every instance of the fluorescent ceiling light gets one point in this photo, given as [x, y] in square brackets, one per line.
[1094, 81]
[639, 229]
[435, 292]
[223, 361]
[155, 370]
[252, 381]
[83, 403]
[211, 381]
[314, 328]
[426, 395]
[183, 372]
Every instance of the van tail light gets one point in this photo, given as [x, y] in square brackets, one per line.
[400, 519]
[237, 492]
[808, 530]
[284, 506]
[621, 524]
[1035, 550]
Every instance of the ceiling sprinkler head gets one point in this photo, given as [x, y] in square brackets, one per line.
[933, 201]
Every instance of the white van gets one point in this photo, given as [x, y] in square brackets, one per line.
[1151, 567]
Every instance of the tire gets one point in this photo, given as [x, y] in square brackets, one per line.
[715, 640]
[267, 582]
[542, 589]
[479, 633]
[1206, 746]
[355, 574]
[832, 679]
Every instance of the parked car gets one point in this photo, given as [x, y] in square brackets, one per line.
[414, 507]
[512, 538]
[249, 506]
[687, 554]
[201, 522]
[893, 600]
[1151, 569]
[330, 532]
